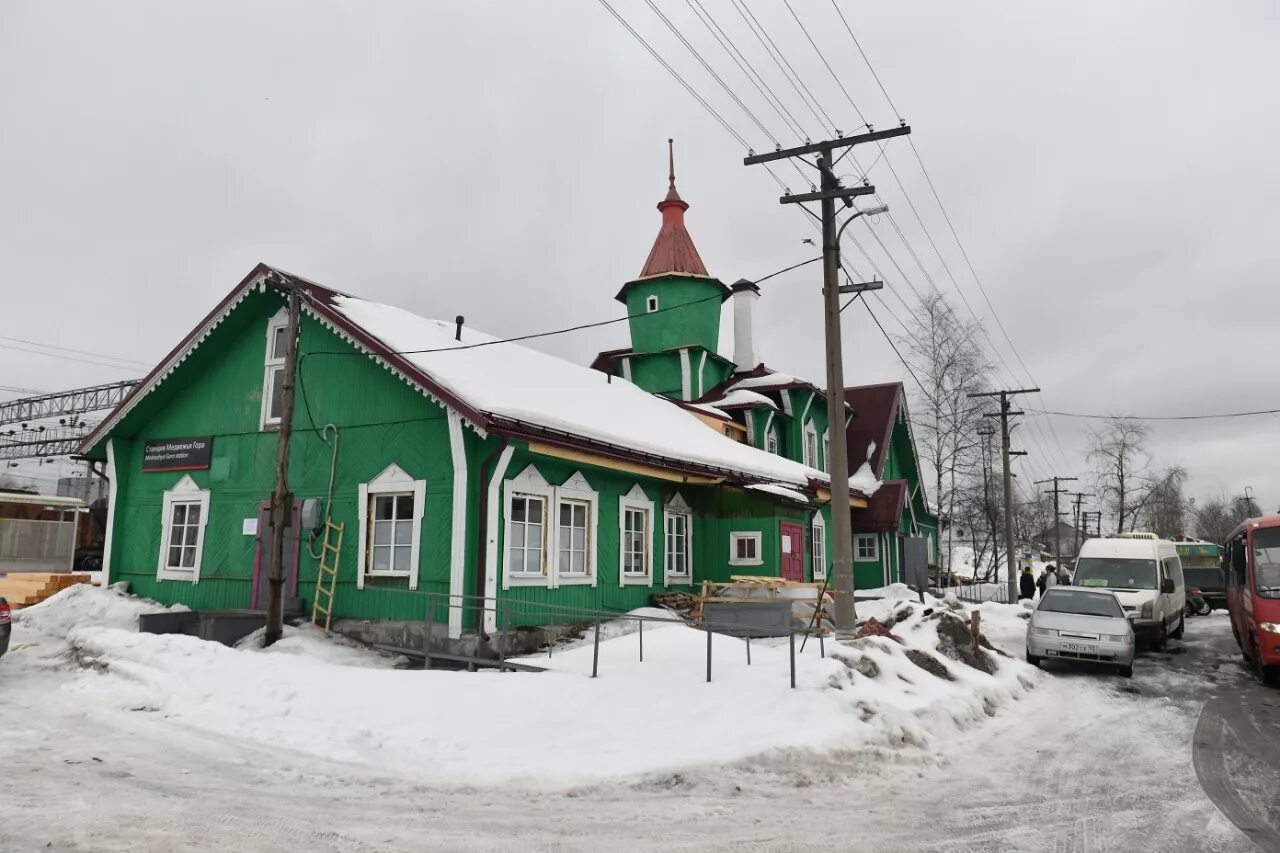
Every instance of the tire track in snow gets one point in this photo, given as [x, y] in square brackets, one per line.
[1208, 756]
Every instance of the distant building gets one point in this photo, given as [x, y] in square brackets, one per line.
[87, 489]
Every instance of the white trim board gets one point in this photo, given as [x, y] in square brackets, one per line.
[458, 541]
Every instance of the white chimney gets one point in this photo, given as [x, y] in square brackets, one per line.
[745, 294]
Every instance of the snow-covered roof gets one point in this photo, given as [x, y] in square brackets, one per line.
[781, 491]
[508, 380]
[744, 399]
[766, 380]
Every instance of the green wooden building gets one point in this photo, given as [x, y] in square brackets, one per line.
[463, 466]
[881, 445]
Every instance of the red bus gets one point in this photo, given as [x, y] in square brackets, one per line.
[1251, 563]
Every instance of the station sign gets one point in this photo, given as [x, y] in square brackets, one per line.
[178, 454]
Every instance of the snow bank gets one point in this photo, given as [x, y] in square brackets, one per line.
[88, 605]
[560, 727]
[309, 641]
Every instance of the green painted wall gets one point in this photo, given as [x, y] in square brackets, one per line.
[695, 322]
[657, 373]
[218, 391]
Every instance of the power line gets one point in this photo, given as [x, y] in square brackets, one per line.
[839, 82]
[868, 61]
[1159, 417]
[676, 75]
[580, 327]
[62, 357]
[78, 351]
[779, 61]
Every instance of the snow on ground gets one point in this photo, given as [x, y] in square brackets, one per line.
[315, 696]
[86, 604]
[311, 642]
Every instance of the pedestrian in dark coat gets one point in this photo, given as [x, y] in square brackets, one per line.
[1040, 583]
[1026, 584]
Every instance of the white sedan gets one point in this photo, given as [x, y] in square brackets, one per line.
[1083, 626]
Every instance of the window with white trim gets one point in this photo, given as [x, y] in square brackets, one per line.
[651, 304]
[678, 540]
[550, 532]
[391, 509]
[273, 371]
[771, 441]
[866, 547]
[810, 445]
[527, 535]
[184, 513]
[826, 450]
[745, 548]
[573, 538]
[635, 529]
[818, 536]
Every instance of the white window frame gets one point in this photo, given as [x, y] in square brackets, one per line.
[771, 441]
[528, 483]
[576, 488]
[677, 508]
[810, 444]
[270, 365]
[392, 480]
[651, 303]
[826, 450]
[636, 499]
[859, 539]
[818, 549]
[531, 483]
[185, 491]
[746, 535]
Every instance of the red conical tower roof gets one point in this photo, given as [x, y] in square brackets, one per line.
[673, 251]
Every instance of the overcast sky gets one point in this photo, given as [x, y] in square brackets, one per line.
[1111, 169]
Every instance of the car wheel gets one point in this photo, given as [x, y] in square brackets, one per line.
[1126, 671]
[1033, 660]
[1271, 676]
[1182, 623]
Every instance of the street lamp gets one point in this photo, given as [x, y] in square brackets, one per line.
[869, 211]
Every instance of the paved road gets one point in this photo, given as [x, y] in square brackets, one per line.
[1085, 763]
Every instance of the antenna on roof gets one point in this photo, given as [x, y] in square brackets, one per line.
[457, 335]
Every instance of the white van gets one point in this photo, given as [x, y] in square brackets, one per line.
[1145, 573]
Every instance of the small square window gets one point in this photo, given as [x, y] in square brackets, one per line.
[651, 304]
[865, 548]
[744, 549]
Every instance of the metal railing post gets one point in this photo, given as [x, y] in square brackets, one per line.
[791, 638]
[748, 651]
[822, 646]
[502, 636]
[595, 652]
[708, 630]
[427, 632]
[641, 641]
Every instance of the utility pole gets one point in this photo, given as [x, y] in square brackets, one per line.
[1079, 498]
[1003, 415]
[987, 509]
[281, 500]
[838, 465]
[1057, 529]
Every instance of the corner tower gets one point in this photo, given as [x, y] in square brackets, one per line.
[673, 309]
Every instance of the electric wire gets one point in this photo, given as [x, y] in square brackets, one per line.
[1214, 416]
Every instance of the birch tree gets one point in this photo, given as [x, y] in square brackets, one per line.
[1122, 469]
[944, 355]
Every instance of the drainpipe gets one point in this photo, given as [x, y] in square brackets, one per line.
[482, 531]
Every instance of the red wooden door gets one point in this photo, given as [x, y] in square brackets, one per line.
[792, 538]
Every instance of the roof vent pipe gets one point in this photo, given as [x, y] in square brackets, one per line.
[457, 335]
[745, 294]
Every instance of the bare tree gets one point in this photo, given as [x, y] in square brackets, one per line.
[1122, 469]
[1164, 509]
[943, 352]
[1215, 519]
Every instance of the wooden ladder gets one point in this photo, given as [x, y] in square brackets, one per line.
[327, 575]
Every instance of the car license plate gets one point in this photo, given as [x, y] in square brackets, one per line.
[1080, 647]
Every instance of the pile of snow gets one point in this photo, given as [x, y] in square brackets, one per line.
[561, 726]
[88, 605]
[310, 641]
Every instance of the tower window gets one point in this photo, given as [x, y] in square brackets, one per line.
[651, 304]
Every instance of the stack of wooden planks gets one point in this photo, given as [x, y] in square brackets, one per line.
[805, 597]
[23, 589]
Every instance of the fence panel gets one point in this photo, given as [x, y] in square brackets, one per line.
[36, 546]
